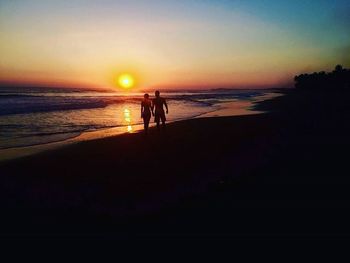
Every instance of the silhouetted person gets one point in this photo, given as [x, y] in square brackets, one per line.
[146, 109]
[157, 105]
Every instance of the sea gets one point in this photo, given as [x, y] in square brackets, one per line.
[33, 116]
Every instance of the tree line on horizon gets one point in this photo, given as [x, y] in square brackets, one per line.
[339, 78]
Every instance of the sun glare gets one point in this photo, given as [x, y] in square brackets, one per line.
[126, 81]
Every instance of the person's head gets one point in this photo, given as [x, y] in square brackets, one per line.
[146, 96]
[157, 93]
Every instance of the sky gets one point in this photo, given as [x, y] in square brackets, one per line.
[171, 44]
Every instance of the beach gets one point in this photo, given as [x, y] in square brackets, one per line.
[37, 120]
[255, 95]
[283, 172]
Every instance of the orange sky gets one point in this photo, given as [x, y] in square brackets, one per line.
[165, 44]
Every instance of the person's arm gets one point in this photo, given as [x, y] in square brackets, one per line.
[141, 108]
[152, 107]
[166, 106]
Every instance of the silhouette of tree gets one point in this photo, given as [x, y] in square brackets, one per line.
[338, 68]
[335, 80]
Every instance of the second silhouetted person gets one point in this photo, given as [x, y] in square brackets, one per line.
[159, 114]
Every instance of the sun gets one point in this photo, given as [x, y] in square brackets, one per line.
[126, 81]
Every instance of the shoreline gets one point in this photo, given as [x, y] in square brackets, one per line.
[225, 109]
[109, 173]
[268, 174]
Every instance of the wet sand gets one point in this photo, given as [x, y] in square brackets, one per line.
[282, 173]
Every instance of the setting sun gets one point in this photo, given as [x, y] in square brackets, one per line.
[126, 81]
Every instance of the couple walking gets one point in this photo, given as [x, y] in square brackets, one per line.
[155, 107]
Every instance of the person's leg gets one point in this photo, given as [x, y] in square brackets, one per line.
[163, 121]
[146, 123]
[157, 120]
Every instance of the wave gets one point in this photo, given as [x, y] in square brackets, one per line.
[9, 96]
[32, 119]
[33, 104]
[24, 104]
[37, 140]
[29, 102]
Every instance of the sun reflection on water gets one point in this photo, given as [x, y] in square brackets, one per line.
[127, 119]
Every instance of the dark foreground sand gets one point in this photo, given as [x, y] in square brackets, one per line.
[284, 173]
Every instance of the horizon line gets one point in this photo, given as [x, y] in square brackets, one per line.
[15, 84]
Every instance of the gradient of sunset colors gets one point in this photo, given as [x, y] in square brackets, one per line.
[170, 44]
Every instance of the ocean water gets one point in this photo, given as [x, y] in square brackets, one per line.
[32, 116]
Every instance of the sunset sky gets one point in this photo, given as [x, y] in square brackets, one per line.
[169, 44]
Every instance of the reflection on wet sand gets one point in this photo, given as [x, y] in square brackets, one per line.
[239, 107]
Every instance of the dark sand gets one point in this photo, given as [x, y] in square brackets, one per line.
[284, 173]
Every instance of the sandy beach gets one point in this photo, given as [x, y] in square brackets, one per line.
[255, 95]
[278, 173]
